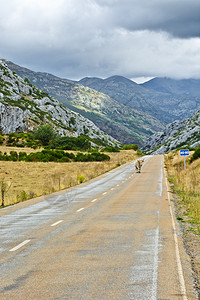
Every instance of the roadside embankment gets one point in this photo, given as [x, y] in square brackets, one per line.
[185, 186]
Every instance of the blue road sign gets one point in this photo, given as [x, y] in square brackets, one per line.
[184, 152]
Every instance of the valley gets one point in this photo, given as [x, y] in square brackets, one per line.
[126, 124]
[42, 179]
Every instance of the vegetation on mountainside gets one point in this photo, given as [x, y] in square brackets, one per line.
[195, 155]
[123, 123]
[45, 136]
[186, 183]
[25, 107]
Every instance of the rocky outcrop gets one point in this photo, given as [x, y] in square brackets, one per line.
[177, 134]
[23, 107]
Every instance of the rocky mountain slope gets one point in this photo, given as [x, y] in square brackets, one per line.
[166, 99]
[124, 91]
[177, 134]
[23, 107]
[120, 121]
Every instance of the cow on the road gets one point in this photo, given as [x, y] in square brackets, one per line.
[138, 165]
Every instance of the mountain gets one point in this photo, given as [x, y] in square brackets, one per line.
[166, 99]
[184, 87]
[177, 134]
[124, 123]
[124, 91]
[23, 107]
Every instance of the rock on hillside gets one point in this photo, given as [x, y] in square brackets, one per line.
[23, 107]
[177, 134]
[120, 121]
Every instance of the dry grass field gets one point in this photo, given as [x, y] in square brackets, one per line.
[25, 180]
[187, 184]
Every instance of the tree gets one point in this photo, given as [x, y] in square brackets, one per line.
[44, 133]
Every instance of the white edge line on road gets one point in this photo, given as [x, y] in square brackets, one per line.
[58, 222]
[155, 265]
[94, 200]
[80, 209]
[20, 245]
[178, 259]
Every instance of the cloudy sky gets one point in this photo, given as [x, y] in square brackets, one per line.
[77, 38]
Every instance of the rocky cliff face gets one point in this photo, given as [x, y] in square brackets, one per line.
[124, 123]
[23, 107]
[177, 134]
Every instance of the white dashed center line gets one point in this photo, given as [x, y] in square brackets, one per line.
[94, 200]
[20, 245]
[57, 223]
[80, 209]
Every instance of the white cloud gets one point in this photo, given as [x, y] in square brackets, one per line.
[76, 38]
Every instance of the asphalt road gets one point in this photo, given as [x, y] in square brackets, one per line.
[114, 237]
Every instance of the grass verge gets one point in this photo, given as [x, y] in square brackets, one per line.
[186, 184]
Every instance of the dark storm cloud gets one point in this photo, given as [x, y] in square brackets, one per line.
[180, 18]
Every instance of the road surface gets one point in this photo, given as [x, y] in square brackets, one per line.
[114, 237]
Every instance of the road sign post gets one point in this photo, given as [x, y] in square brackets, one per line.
[184, 152]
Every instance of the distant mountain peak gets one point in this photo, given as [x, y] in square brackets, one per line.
[174, 86]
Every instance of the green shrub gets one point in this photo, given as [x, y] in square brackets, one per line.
[91, 157]
[71, 143]
[70, 155]
[110, 149]
[1, 139]
[72, 121]
[99, 156]
[22, 156]
[27, 80]
[53, 155]
[22, 196]
[130, 147]
[139, 152]
[21, 145]
[64, 159]
[195, 155]
[14, 155]
[44, 134]
[81, 178]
